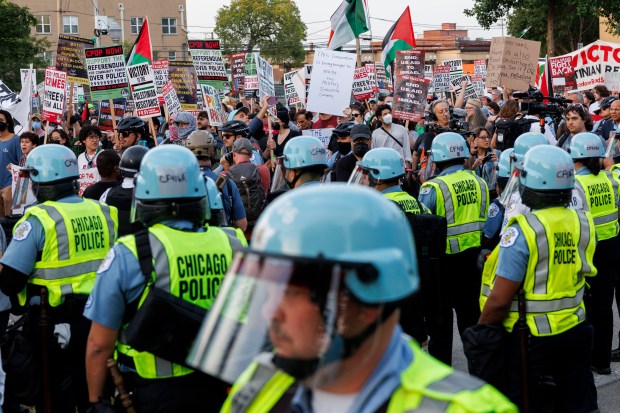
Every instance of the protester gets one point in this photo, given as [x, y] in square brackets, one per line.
[484, 159]
[304, 119]
[60, 137]
[186, 124]
[577, 121]
[27, 142]
[10, 153]
[361, 138]
[599, 92]
[107, 166]
[391, 135]
[36, 125]
[475, 117]
[89, 137]
[325, 120]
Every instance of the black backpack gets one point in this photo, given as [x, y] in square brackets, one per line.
[508, 130]
[246, 176]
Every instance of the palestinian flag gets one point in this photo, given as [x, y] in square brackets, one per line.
[399, 37]
[142, 50]
[348, 22]
[543, 77]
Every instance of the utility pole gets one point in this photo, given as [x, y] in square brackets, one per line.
[121, 9]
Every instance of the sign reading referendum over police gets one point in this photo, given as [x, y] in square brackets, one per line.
[171, 100]
[143, 91]
[70, 57]
[106, 73]
[209, 63]
[160, 68]
[54, 95]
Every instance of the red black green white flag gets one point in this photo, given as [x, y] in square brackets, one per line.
[399, 37]
[142, 50]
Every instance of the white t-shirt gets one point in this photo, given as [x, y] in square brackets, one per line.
[325, 402]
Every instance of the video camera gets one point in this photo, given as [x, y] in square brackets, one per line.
[554, 107]
[457, 123]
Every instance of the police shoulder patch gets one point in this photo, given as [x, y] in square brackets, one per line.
[22, 231]
[425, 190]
[107, 261]
[493, 210]
[509, 237]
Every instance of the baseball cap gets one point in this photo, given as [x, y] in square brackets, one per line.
[35, 116]
[234, 112]
[243, 146]
[608, 101]
[360, 131]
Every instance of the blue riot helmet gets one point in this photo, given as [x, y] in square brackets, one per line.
[367, 260]
[216, 206]
[546, 177]
[53, 170]
[170, 185]
[503, 168]
[586, 145]
[301, 154]
[379, 164]
[446, 147]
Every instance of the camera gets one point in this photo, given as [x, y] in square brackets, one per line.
[554, 107]
[457, 123]
[229, 158]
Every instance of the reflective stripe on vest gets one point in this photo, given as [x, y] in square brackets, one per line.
[179, 261]
[71, 255]
[599, 195]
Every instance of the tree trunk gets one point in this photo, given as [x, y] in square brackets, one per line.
[550, 21]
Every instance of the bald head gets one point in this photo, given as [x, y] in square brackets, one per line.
[614, 111]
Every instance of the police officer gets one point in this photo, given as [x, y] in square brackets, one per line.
[495, 216]
[548, 253]
[303, 162]
[202, 144]
[132, 130]
[463, 198]
[189, 261]
[58, 244]
[596, 191]
[330, 307]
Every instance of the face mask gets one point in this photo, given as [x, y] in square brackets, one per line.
[344, 147]
[387, 119]
[360, 149]
[389, 104]
[3, 126]
[275, 126]
[174, 133]
[185, 131]
[36, 125]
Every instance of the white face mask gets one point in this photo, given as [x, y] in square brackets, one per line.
[387, 119]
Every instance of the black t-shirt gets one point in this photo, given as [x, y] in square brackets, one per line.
[344, 167]
[279, 149]
[424, 142]
[97, 189]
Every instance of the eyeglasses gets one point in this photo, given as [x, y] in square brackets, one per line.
[484, 137]
[126, 133]
[355, 115]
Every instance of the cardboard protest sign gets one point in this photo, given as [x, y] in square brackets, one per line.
[209, 63]
[183, 78]
[70, 57]
[361, 87]
[250, 76]
[160, 69]
[290, 93]
[372, 76]
[105, 113]
[381, 77]
[512, 63]
[171, 100]
[410, 98]
[237, 72]
[87, 178]
[106, 73]
[143, 92]
[324, 135]
[213, 105]
[562, 74]
[332, 79]
[409, 63]
[22, 193]
[54, 95]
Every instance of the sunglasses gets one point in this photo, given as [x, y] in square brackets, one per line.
[355, 115]
[126, 133]
[228, 135]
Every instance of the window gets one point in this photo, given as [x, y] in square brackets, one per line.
[47, 56]
[136, 24]
[70, 24]
[168, 25]
[172, 56]
[44, 25]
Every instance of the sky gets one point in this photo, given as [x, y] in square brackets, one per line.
[426, 15]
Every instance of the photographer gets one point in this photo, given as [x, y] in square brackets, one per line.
[483, 159]
[439, 113]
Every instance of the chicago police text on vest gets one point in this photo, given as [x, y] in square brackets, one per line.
[89, 233]
[599, 194]
[197, 272]
[565, 248]
[466, 192]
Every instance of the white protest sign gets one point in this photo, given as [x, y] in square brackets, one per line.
[332, 80]
[213, 105]
[160, 69]
[361, 86]
[143, 91]
[324, 135]
[22, 195]
[265, 80]
[54, 95]
[372, 76]
[87, 178]
[290, 92]
[299, 83]
[209, 63]
[171, 100]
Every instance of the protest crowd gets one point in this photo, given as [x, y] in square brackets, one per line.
[216, 247]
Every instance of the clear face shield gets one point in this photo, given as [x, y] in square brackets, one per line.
[359, 176]
[294, 311]
[23, 195]
[278, 182]
[513, 186]
[613, 147]
[428, 171]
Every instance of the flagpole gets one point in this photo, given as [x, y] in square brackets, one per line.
[358, 51]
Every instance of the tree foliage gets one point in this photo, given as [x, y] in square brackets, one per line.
[560, 24]
[18, 47]
[273, 26]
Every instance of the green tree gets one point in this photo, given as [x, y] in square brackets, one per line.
[273, 26]
[564, 20]
[18, 47]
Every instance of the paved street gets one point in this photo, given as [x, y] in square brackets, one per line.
[608, 387]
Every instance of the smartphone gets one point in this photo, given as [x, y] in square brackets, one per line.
[272, 100]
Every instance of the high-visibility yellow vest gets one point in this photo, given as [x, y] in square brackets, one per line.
[561, 245]
[463, 198]
[599, 195]
[406, 202]
[426, 385]
[77, 238]
[189, 265]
